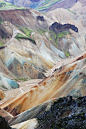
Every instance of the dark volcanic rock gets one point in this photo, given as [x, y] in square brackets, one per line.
[57, 27]
[4, 124]
[3, 33]
[65, 113]
[41, 18]
[2, 47]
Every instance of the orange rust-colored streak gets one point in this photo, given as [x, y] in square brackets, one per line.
[54, 86]
[5, 114]
[44, 83]
[71, 68]
[2, 95]
[35, 86]
[4, 69]
[46, 90]
[13, 102]
[32, 99]
[80, 57]
[67, 68]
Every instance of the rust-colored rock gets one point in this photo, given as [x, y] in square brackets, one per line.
[2, 95]
[69, 81]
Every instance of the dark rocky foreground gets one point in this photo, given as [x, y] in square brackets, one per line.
[65, 113]
[4, 123]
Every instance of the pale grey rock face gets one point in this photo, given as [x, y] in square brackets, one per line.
[7, 84]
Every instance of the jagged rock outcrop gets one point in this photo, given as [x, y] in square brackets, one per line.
[41, 18]
[57, 27]
[5, 33]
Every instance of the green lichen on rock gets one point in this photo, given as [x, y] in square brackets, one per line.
[41, 31]
[47, 4]
[70, 11]
[66, 53]
[1, 21]
[21, 79]
[26, 31]
[20, 36]
[58, 36]
[1, 44]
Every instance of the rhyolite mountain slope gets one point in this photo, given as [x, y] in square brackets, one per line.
[32, 43]
[26, 3]
[6, 5]
[49, 5]
[69, 79]
[42, 58]
[44, 5]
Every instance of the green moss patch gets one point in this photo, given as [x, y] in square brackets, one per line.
[56, 36]
[21, 79]
[20, 36]
[1, 21]
[70, 11]
[26, 31]
[67, 54]
[41, 31]
[47, 4]
[1, 44]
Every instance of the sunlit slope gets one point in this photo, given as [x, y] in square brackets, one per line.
[6, 5]
[67, 80]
